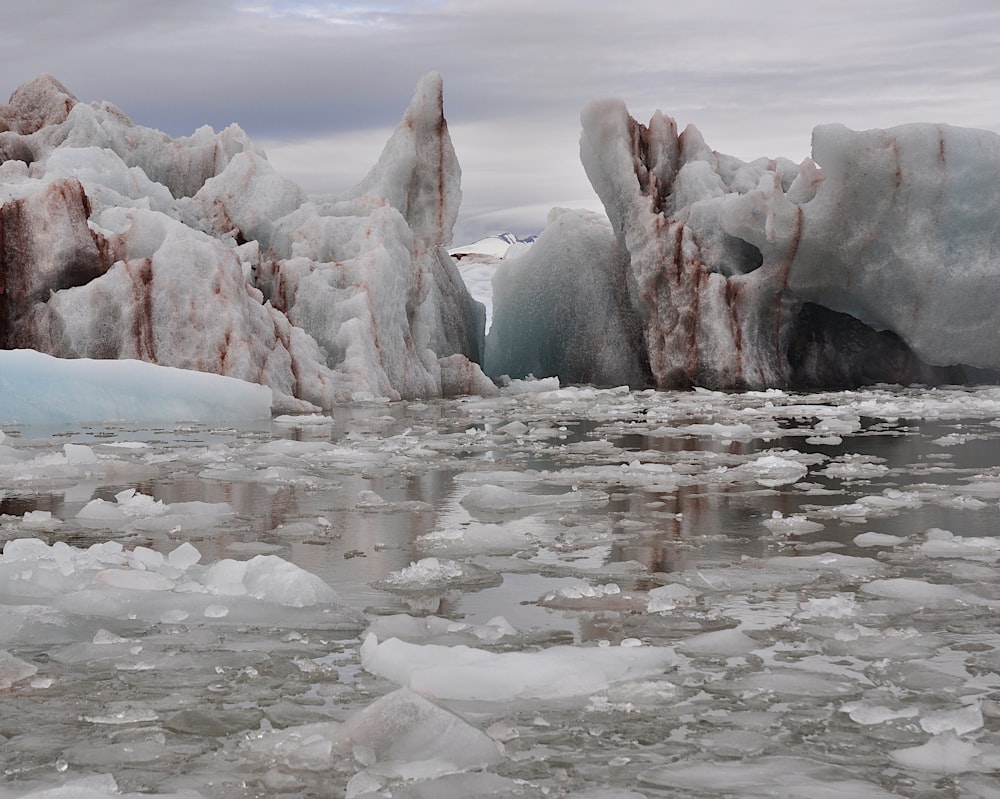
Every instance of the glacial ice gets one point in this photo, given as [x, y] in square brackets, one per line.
[560, 309]
[636, 592]
[120, 243]
[868, 262]
[33, 391]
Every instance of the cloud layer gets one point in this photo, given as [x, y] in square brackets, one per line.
[320, 84]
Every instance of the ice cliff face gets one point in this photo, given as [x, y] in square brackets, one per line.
[877, 260]
[117, 241]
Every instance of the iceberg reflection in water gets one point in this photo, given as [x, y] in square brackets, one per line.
[561, 592]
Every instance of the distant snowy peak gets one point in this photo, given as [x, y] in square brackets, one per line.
[495, 246]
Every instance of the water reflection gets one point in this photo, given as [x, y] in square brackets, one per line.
[353, 523]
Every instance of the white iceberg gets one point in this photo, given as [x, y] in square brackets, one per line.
[867, 263]
[122, 243]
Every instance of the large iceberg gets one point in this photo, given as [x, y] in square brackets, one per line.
[878, 259]
[117, 241]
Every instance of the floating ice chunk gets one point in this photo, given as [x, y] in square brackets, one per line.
[403, 734]
[40, 519]
[124, 712]
[25, 549]
[868, 714]
[948, 754]
[515, 428]
[774, 470]
[942, 543]
[215, 611]
[31, 385]
[273, 579]
[793, 524]
[369, 500]
[303, 420]
[438, 574]
[102, 637]
[959, 721]
[983, 488]
[871, 539]
[416, 738]
[225, 577]
[461, 672]
[184, 556]
[269, 578]
[924, 594]
[307, 747]
[134, 504]
[716, 430]
[107, 581]
[507, 477]
[669, 597]
[428, 570]
[837, 426]
[128, 505]
[100, 510]
[14, 669]
[587, 591]
[842, 606]
[79, 454]
[496, 628]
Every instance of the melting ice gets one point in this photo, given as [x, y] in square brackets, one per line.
[534, 591]
[681, 594]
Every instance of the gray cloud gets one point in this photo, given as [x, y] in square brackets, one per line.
[754, 77]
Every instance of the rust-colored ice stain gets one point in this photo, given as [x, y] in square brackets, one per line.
[140, 274]
[46, 245]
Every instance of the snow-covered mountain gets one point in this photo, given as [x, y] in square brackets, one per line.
[496, 246]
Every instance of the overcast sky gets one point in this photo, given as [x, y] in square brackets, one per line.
[320, 85]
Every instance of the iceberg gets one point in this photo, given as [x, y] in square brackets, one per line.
[118, 242]
[559, 310]
[38, 389]
[876, 260]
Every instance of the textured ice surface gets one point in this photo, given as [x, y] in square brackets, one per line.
[122, 243]
[461, 672]
[737, 275]
[626, 607]
[33, 391]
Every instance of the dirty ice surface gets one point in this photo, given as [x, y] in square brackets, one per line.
[554, 592]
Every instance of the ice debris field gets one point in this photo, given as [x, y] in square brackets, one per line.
[566, 592]
[250, 550]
